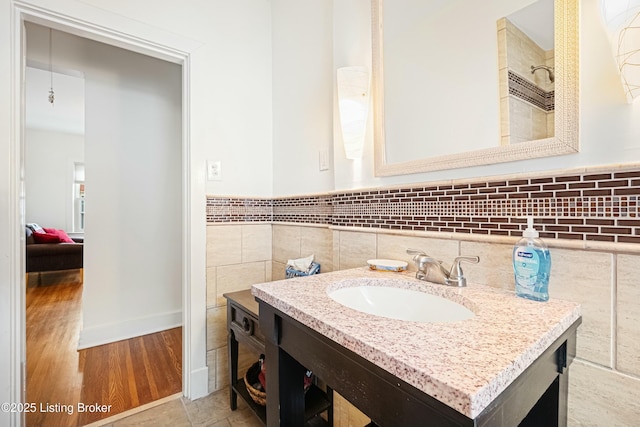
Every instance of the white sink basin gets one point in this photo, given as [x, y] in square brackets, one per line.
[401, 304]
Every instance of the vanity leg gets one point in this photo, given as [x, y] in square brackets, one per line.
[551, 409]
[233, 370]
[285, 382]
[546, 410]
[291, 382]
[270, 325]
[330, 410]
[563, 398]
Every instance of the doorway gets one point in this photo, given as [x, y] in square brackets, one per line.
[131, 149]
[116, 30]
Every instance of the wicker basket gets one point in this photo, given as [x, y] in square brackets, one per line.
[251, 377]
[292, 272]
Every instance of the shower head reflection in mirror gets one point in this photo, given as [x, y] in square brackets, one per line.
[544, 67]
[391, 116]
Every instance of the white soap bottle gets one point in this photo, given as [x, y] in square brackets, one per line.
[531, 265]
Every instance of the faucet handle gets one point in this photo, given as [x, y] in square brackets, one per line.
[415, 252]
[420, 258]
[456, 274]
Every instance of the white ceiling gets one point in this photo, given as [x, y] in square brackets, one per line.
[536, 21]
[67, 112]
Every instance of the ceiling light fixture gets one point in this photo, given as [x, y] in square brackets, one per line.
[52, 96]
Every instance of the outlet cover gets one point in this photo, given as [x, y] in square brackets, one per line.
[214, 170]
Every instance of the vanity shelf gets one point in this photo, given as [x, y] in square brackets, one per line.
[244, 328]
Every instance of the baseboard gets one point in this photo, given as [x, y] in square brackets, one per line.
[199, 383]
[118, 331]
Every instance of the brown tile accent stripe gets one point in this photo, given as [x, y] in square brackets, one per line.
[593, 206]
[523, 88]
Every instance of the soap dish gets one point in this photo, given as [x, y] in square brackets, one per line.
[387, 265]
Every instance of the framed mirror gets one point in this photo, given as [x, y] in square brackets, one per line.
[440, 98]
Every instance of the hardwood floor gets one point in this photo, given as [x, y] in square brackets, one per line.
[62, 382]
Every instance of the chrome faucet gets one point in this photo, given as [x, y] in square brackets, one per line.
[432, 270]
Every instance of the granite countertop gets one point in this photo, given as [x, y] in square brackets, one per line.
[464, 364]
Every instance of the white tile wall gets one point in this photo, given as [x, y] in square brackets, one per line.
[237, 257]
[395, 247]
[495, 266]
[319, 242]
[212, 289]
[588, 277]
[605, 376]
[241, 255]
[585, 277]
[278, 270]
[256, 243]
[216, 327]
[224, 245]
[355, 249]
[286, 243]
[601, 397]
[236, 277]
[628, 315]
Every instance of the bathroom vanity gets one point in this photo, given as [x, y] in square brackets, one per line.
[506, 366]
[244, 328]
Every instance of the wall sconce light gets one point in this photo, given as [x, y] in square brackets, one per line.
[353, 105]
[622, 19]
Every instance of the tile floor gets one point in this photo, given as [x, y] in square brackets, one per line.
[209, 411]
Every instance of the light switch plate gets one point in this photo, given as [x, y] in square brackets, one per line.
[214, 170]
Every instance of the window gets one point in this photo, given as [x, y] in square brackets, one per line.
[78, 197]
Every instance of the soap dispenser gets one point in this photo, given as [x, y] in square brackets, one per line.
[531, 265]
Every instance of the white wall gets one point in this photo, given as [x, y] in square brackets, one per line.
[303, 74]
[231, 84]
[133, 263]
[49, 160]
[133, 132]
[228, 44]
[609, 128]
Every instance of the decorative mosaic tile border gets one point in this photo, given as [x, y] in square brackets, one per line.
[232, 209]
[305, 209]
[528, 92]
[592, 206]
[313, 209]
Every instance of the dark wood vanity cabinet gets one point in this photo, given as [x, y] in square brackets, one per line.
[244, 328]
[538, 397]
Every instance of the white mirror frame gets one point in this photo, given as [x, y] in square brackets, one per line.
[565, 140]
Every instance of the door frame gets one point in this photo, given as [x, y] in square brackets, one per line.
[110, 28]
